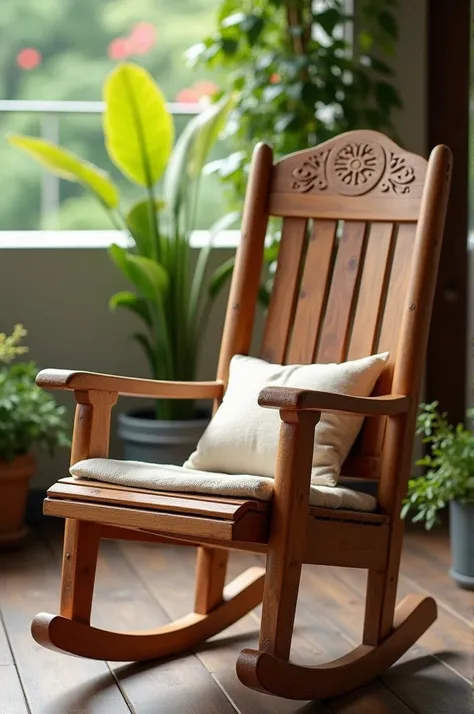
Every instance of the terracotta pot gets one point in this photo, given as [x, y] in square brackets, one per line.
[15, 479]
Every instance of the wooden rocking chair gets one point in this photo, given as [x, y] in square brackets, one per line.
[361, 238]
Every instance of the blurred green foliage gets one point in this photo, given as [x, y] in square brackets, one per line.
[73, 41]
[304, 72]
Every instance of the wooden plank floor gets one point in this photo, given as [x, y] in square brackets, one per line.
[142, 585]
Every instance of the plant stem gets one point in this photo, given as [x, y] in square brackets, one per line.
[152, 220]
[115, 218]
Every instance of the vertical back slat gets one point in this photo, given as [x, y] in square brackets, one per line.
[313, 291]
[285, 290]
[372, 291]
[397, 289]
[371, 439]
[337, 320]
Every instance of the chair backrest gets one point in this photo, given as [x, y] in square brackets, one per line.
[362, 224]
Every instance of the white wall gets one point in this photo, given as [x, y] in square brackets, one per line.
[61, 296]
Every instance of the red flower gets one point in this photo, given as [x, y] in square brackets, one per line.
[188, 96]
[28, 58]
[275, 78]
[205, 88]
[142, 37]
[119, 48]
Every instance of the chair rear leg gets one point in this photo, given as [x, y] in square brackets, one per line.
[211, 569]
[81, 546]
[382, 591]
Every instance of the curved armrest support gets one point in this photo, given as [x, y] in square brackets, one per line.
[128, 386]
[304, 400]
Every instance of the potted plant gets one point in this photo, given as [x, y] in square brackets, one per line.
[28, 417]
[449, 478]
[170, 298]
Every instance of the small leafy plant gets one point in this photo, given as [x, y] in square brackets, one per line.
[28, 415]
[449, 466]
[302, 72]
[170, 298]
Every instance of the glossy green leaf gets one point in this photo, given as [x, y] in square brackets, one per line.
[234, 20]
[329, 19]
[68, 166]
[196, 294]
[188, 158]
[132, 302]
[366, 40]
[138, 127]
[147, 275]
[389, 24]
[144, 342]
[387, 96]
[229, 45]
[253, 25]
[140, 225]
[220, 276]
[379, 66]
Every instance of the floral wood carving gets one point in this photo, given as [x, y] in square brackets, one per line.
[311, 174]
[354, 169]
[399, 177]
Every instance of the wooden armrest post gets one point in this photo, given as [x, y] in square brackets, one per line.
[287, 531]
[92, 424]
[81, 538]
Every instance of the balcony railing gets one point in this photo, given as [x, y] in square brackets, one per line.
[50, 112]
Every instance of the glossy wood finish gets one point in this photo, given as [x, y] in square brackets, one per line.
[241, 306]
[307, 400]
[251, 527]
[80, 550]
[128, 386]
[267, 672]
[361, 236]
[343, 294]
[285, 291]
[312, 295]
[285, 550]
[238, 327]
[72, 635]
[228, 509]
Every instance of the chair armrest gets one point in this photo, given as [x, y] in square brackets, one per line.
[293, 399]
[128, 386]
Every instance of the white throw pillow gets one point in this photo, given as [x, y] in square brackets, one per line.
[242, 437]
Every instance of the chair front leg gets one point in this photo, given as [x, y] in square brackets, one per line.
[81, 546]
[287, 532]
[81, 538]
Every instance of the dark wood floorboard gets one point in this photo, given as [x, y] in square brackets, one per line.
[124, 602]
[12, 698]
[171, 582]
[141, 586]
[426, 560]
[52, 683]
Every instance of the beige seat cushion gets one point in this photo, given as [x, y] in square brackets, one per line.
[177, 478]
[242, 437]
